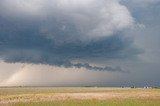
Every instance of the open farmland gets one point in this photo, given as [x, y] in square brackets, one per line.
[55, 96]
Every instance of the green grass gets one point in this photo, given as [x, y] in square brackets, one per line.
[37, 90]
[123, 102]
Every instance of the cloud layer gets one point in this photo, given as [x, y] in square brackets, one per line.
[58, 42]
[56, 32]
[91, 18]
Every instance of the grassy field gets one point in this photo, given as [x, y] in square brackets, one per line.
[54, 96]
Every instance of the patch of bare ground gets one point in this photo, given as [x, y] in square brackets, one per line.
[78, 96]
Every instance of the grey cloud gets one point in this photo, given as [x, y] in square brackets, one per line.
[39, 50]
[57, 39]
[91, 18]
[43, 36]
[96, 68]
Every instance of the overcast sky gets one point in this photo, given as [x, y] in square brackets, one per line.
[79, 43]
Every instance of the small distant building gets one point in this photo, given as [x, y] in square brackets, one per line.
[133, 87]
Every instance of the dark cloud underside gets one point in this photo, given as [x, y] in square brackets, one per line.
[58, 41]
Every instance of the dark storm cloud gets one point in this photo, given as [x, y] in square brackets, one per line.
[26, 45]
[60, 35]
[58, 41]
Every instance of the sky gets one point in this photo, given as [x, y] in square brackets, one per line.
[79, 43]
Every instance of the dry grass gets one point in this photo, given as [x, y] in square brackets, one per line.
[51, 94]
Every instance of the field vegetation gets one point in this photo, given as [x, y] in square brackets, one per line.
[78, 96]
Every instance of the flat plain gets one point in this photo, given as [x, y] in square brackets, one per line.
[78, 96]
